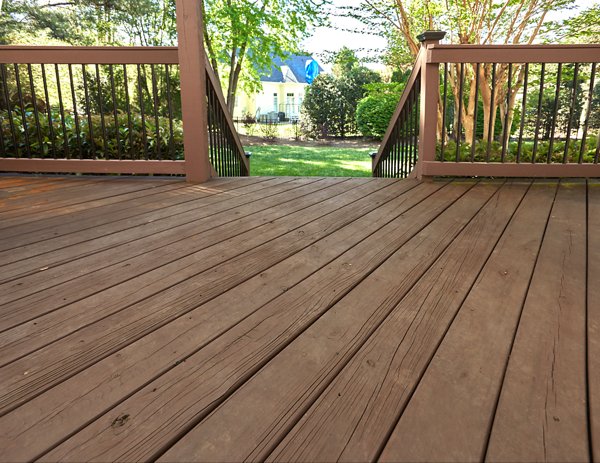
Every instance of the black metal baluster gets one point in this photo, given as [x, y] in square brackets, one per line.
[506, 131]
[142, 111]
[3, 151]
[51, 133]
[88, 112]
[11, 122]
[444, 108]
[539, 113]
[170, 109]
[156, 118]
[587, 113]
[75, 114]
[475, 112]
[113, 92]
[36, 114]
[570, 122]
[554, 114]
[211, 144]
[523, 111]
[23, 114]
[461, 82]
[61, 106]
[101, 106]
[491, 121]
[128, 110]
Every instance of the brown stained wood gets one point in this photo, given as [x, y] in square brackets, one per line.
[69, 355]
[302, 369]
[109, 249]
[184, 336]
[131, 205]
[541, 413]
[192, 249]
[67, 193]
[593, 314]
[131, 227]
[450, 414]
[44, 329]
[360, 406]
[40, 218]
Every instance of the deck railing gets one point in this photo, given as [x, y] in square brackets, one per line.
[105, 110]
[499, 110]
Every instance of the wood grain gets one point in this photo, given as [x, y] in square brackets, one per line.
[450, 414]
[542, 411]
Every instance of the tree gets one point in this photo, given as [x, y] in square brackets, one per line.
[331, 104]
[242, 36]
[468, 22]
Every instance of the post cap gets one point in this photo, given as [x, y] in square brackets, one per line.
[430, 36]
[248, 154]
[373, 154]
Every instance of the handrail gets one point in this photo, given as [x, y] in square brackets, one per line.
[241, 153]
[466, 53]
[28, 54]
[413, 80]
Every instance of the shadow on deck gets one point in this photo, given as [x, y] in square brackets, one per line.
[298, 319]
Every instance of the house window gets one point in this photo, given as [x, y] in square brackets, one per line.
[275, 102]
[290, 107]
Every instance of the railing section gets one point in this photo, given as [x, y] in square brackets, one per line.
[104, 110]
[516, 111]
[226, 152]
[398, 152]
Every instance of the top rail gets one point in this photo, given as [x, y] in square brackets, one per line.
[88, 55]
[588, 53]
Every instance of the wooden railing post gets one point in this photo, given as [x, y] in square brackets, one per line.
[430, 91]
[193, 90]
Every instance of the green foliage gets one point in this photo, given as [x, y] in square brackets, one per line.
[527, 149]
[242, 36]
[330, 103]
[375, 111]
[269, 131]
[63, 142]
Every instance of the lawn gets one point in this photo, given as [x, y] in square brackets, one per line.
[319, 161]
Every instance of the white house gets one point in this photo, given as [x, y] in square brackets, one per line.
[283, 89]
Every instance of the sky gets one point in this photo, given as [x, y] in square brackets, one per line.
[328, 39]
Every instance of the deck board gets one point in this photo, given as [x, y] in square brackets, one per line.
[450, 414]
[542, 412]
[298, 319]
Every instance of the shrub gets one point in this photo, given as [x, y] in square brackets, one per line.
[374, 113]
[269, 131]
[62, 141]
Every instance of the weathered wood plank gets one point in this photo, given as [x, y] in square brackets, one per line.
[166, 253]
[131, 204]
[38, 220]
[593, 314]
[134, 366]
[296, 377]
[450, 414]
[69, 355]
[223, 365]
[376, 383]
[116, 247]
[66, 193]
[131, 227]
[541, 414]
[47, 328]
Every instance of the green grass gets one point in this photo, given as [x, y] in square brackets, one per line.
[317, 161]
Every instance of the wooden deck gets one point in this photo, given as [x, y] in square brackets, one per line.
[301, 319]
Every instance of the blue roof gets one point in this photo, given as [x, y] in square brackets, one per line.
[296, 64]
